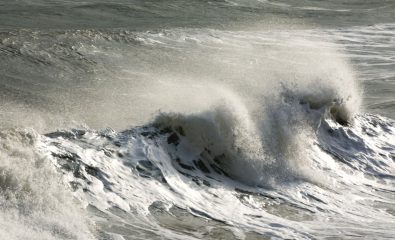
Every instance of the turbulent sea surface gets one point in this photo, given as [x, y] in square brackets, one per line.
[234, 119]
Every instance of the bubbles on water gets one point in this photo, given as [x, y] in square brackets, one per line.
[34, 203]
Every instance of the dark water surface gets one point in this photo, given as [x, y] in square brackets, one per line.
[197, 119]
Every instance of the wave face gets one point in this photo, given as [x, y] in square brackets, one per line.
[197, 120]
[201, 176]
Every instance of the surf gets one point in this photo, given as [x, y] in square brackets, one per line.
[190, 133]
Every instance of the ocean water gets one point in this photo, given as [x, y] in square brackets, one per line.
[234, 119]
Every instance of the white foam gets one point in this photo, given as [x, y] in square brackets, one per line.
[33, 199]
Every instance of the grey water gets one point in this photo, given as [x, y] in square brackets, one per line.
[229, 119]
[43, 70]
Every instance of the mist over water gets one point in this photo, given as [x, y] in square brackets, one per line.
[118, 84]
[197, 119]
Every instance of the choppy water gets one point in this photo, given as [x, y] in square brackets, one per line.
[197, 119]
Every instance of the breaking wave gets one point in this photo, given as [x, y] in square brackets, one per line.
[263, 140]
[296, 161]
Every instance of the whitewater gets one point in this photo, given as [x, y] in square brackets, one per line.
[197, 120]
